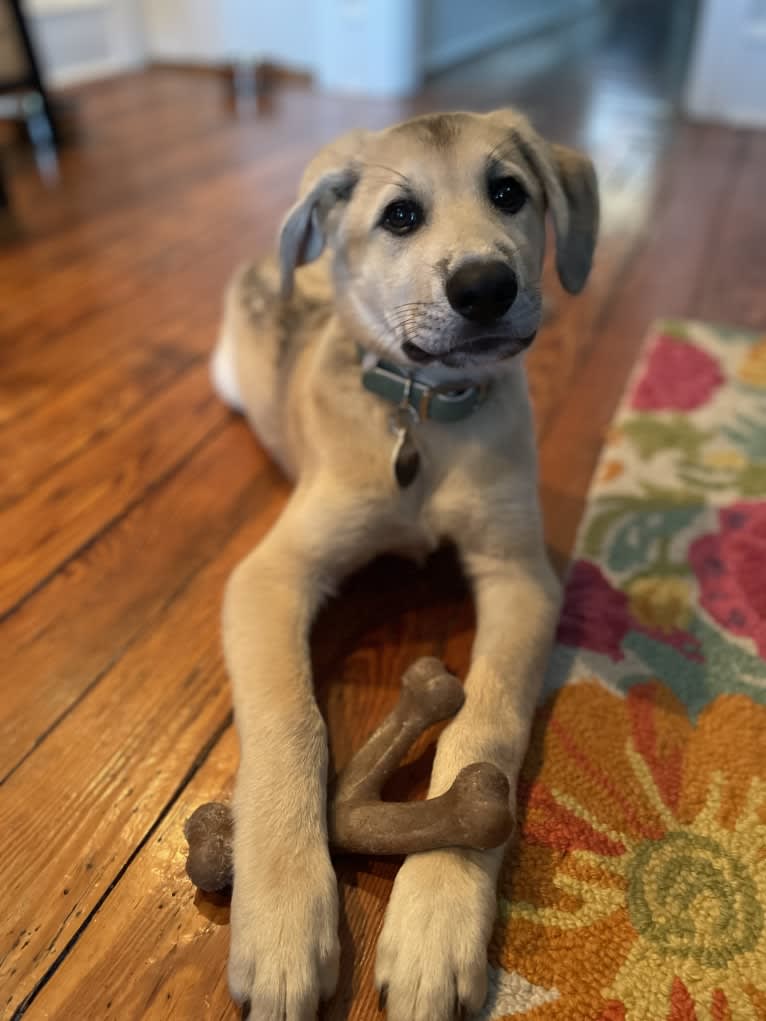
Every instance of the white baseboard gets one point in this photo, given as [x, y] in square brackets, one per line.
[77, 74]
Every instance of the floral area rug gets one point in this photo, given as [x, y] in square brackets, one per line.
[637, 888]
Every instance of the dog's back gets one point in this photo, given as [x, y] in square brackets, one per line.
[260, 343]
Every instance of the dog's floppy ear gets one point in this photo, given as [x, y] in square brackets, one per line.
[571, 189]
[328, 180]
[575, 211]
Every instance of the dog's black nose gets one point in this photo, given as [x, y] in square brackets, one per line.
[482, 290]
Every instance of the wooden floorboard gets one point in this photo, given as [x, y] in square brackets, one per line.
[179, 934]
[68, 635]
[81, 415]
[731, 285]
[127, 492]
[47, 526]
[76, 809]
[170, 239]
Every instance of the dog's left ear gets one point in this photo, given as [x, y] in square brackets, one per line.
[328, 180]
[571, 190]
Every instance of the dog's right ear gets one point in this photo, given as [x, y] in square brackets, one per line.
[329, 180]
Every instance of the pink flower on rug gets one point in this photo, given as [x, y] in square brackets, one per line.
[731, 567]
[678, 377]
[595, 615]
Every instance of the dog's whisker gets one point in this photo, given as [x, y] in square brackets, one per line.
[415, 311]
[413, 304]
[417, 317]
[408, 317]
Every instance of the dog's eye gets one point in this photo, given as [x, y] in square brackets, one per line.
[507, 194]
[402, 217]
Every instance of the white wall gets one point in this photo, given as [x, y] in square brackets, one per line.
[358, 45]
[286, 31]
[184, 30]
[83, 38]
[727, 78]
[211, 31]
[369, 46]
[79, 39]
[376, 47]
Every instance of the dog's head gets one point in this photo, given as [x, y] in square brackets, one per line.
[437, 233]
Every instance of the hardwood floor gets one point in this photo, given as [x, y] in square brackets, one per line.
[127, 492]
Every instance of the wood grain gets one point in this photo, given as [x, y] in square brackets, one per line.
[75, 810]
[731, 286]
[50, 523]
[69, 633]
[127, 492]
[80, 415]
[177, 932]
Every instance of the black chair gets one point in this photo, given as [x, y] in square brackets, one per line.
[24, 98]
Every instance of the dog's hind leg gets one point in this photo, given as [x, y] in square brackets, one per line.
[223, 371]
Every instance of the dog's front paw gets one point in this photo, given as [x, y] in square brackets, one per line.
[284, 948]
[432, 953]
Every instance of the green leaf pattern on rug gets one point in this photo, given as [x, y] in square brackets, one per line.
[665, 478]
[651, 435]
[644, 538]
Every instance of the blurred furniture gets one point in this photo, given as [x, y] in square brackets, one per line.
[7, 221]
[24, 99]
[23, 92]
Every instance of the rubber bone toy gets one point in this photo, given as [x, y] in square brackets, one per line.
[473, 813]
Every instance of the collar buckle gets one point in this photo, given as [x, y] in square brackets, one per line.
[405, 414]
[418, 399]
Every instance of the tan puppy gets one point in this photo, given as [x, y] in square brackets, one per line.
[434, 231]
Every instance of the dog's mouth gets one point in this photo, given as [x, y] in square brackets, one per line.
[497, 347]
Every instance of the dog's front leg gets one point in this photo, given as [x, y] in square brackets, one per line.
[432, 954]
[284, 942]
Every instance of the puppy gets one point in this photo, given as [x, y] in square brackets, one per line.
[387, 380]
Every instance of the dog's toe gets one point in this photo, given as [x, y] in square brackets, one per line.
[430, 967]
[284, 952]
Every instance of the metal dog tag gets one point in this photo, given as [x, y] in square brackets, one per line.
[405, 458]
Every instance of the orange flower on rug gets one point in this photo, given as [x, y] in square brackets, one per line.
[637, 887]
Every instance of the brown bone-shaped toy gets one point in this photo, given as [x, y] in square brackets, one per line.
[473, 813]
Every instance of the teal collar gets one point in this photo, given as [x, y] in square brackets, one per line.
[446, 403]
